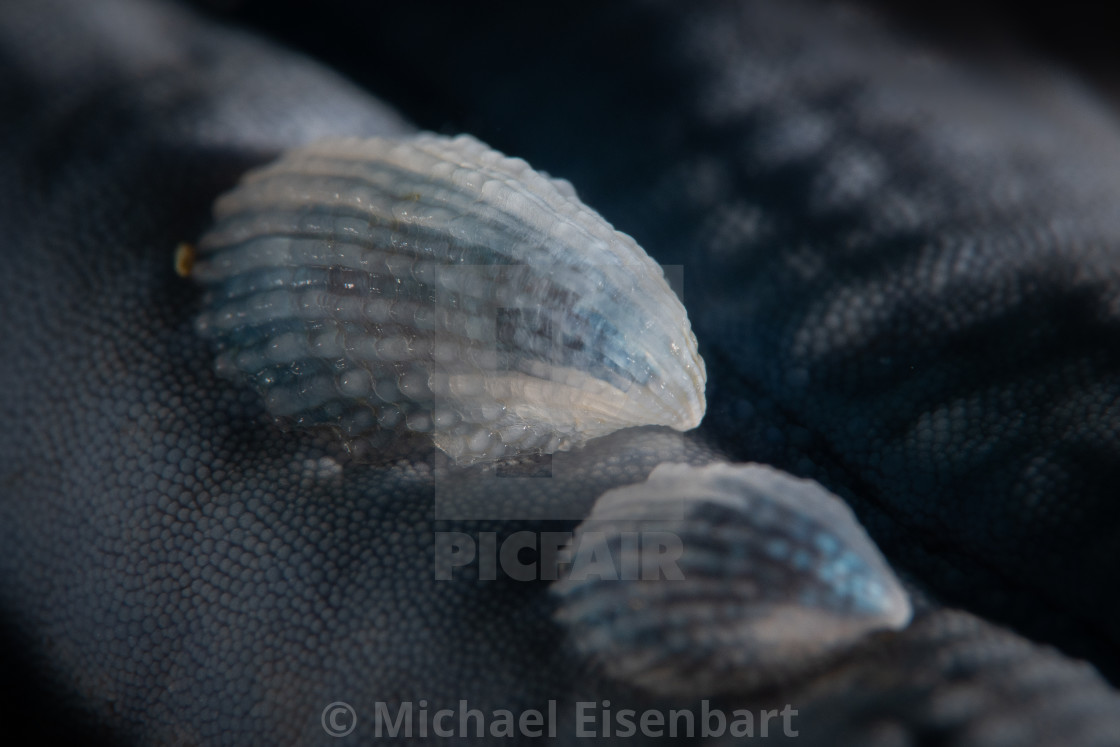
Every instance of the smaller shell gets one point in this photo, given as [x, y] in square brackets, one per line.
[432, 285]
[766, 576]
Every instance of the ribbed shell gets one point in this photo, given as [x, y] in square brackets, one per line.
[433, 285]
[773, 576]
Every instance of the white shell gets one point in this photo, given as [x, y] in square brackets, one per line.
[773, 577]
[433, 285]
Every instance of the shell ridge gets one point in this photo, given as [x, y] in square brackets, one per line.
[434, 285]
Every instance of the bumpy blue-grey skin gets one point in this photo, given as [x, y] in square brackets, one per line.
[902, 273]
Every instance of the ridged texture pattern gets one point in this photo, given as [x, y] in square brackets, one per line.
[434, 285]
[775, 576]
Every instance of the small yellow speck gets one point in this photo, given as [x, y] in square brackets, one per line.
[184, 259]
